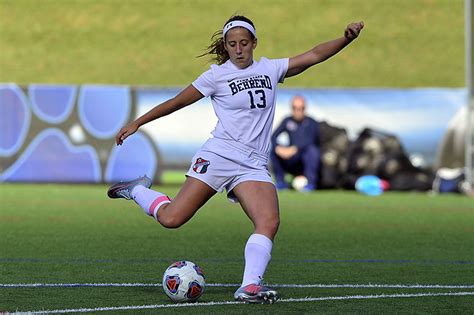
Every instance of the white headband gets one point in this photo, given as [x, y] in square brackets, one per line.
[243, 24]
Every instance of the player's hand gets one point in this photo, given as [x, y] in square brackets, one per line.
[126, 131]
[353, 30]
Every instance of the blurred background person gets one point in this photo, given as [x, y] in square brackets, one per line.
[300, 155]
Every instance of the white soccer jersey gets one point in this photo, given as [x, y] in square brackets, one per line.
[244, 100]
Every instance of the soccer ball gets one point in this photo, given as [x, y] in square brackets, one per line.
[299, 182]
[183, 281]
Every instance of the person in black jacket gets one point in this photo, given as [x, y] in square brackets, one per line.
[301, 154]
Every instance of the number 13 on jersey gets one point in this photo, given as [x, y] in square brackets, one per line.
[257, 99]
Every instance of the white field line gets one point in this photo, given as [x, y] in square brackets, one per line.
[294, 300]
[382, 286]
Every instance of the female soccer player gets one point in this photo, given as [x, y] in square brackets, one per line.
[242, 91]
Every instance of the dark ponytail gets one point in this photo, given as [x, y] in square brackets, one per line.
[216, 48]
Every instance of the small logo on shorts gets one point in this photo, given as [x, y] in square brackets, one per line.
[201, 165]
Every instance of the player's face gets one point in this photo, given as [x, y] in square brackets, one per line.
[240, 45]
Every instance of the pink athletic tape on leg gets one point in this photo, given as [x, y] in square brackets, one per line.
[156, 204]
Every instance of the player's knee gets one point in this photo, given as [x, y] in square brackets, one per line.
[170, 220]
[275, 224]
[270, 225]
[170, 223]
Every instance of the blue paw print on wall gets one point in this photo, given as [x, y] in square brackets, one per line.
[62, 142]
[15, 119]
[51, 157]
[52, 103]
[103, 110]
[123, 165]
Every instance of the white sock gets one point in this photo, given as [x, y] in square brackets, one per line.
[149, 200]
[257, 255]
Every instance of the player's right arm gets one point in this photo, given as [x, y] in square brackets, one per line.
[186, 97]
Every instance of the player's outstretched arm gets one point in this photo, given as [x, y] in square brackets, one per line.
[323, 51]
[186, 97]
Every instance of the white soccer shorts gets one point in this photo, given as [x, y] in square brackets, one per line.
[223, 164]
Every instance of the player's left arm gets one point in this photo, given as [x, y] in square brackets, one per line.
[323, 51]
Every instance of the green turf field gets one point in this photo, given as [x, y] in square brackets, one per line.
[406, 43]
[336, 252]
[74, 234]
